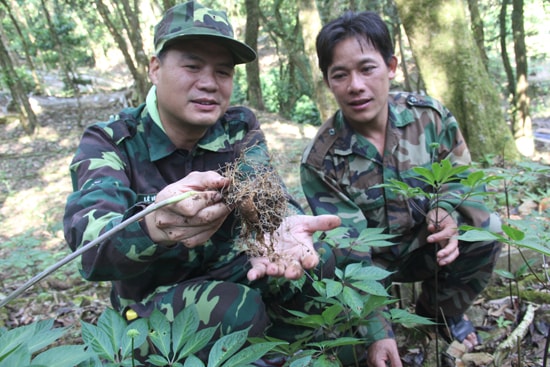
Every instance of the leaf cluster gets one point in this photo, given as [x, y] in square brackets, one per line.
[114, 342]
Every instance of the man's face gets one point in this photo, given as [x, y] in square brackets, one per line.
[360, 81]
[194, 82]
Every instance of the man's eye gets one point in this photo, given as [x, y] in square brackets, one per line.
[192, 67]
[368, 69]
[224, 73]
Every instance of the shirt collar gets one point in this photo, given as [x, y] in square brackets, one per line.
[152, 108]
[160, 145]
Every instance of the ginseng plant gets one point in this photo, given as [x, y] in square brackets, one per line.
[439, 178]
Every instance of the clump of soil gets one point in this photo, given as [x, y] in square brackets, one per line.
[259, 198]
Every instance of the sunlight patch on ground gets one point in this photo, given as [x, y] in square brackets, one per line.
[34, 208]
[286, 142]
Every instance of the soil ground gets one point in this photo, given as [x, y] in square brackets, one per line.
[34, 184]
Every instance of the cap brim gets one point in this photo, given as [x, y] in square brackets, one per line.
[242, 53]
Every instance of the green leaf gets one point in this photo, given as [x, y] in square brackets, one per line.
[513, 233]
[185, 324]
[505, 274]
[19, 356]
[62, 356]
[538, 247]
[326, 361]
[14, 338]
[140, 329]
[196, 342]
[340, 342]
[408, 319]
[358, 271]
[250, 354]
[331, 313]
[425, 174]
[375, 237]
[304, 319]
[160, 332]
[474, 179]
[320, 287]
[157, 360]
[113, 325]
[193, 361]
[477, 235]
[353, 300]
[44, 335]
[371, 287]
[304, 361]
[333, 287]
[226, 346]
[98, 340]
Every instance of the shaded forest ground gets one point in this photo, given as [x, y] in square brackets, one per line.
[34, 184]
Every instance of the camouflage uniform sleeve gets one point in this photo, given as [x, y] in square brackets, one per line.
[102, 198]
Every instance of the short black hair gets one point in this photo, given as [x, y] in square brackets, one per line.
[365, 25]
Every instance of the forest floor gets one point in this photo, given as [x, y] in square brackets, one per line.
[34, 184]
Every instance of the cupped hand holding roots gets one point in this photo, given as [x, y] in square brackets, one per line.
[277, 244]
[292, 249]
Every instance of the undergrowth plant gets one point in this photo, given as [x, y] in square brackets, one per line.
[113, 342]
[336, 322]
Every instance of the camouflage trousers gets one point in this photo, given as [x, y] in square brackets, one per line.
[454, 286]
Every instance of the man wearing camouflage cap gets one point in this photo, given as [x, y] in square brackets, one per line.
[378, 136]
[180, 140]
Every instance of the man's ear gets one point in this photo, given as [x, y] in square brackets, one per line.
[154, 66]
[392, 66]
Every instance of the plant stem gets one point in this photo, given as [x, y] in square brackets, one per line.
[151, 208]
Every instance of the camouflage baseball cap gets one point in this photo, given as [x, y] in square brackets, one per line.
[192, 20]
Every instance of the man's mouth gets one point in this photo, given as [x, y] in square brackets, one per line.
[360, 102]
[205, 102]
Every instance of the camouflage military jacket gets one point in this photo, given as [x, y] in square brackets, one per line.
[340, 171]
[118, 169]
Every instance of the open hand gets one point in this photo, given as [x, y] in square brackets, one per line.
[293, 243]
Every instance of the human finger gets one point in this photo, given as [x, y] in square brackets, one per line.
[275, 269]
[294, 270]
[310, 260]
[189, 207]
[173, 217]
[324, 222]
[258, 269]
[449, 253]
[208, 180]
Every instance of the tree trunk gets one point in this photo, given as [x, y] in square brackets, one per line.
[255, 97]
[13, 14]
[454, 73]
[523, 130]
[310, 21]
[478, 31]
[141, 80]
[505, 58]
[28, 118]
[66, 64]
[295, 76]
[132, 14]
